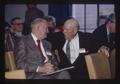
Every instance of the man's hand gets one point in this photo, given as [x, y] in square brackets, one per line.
[46, 68]
[105, 50]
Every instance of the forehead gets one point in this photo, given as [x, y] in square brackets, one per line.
[70, 24]
[41, 25]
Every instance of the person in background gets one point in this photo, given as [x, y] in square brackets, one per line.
[13, 34]
[104, 36]
[51, 23]
[35, 56]
[72, 46]
[51, 29]
[31, 13]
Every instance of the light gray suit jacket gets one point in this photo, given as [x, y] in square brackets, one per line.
[28, 57]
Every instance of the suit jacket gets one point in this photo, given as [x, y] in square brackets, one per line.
[11, 41]
[100, 38]
[28, 57]
[30, 15]
[80, 70]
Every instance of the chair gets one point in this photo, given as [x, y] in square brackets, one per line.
[112, 61]
[10, 60]
[98, 66]
[13, 72]
[57, 55]
[16, 74]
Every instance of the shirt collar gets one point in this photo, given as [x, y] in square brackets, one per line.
[75, 37]
[34, 37]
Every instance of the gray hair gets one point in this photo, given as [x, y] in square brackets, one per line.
[37, 20]
[50, 18]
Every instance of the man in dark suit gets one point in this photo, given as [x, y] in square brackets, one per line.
[34, 54]
[13, 33]
[104, 36]
[31, 13]
[73, 55]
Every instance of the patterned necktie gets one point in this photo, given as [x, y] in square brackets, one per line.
[39, 47]
[68, 49]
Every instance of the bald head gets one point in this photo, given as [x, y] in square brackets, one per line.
[71, 27]
[73, 23]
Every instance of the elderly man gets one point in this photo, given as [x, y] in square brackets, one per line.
[72, 48]
[34, 54]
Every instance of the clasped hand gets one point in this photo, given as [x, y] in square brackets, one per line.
[47, 68]
[104, 50]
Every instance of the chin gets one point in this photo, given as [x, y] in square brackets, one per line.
[67, 38]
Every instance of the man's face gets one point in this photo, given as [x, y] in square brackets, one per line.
[17, 25]
[51, 24]
[112, 26]
[42, 30]
[69, 30]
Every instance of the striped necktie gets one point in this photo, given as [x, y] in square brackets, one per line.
[68, 49]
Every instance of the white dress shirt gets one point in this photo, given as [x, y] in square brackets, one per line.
[74, 48]
[42, 48]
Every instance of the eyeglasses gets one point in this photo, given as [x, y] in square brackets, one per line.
[18, 24]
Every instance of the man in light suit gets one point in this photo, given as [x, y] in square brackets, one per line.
[79, 43]
[34, 54]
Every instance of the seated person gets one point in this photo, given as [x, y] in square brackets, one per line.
[13, 33]
[73, 55]
[104, 36]
[35, 56]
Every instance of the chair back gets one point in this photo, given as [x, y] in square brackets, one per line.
[10, 60]
[112, 61]
[57, 55]
[98, 66]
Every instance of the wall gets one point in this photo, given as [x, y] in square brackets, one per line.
[13, 10]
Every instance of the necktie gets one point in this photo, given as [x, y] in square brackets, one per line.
[68, 50]
[39, 47]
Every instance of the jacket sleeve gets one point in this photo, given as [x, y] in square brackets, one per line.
[21, 58]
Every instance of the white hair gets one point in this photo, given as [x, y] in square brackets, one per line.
[37, 20]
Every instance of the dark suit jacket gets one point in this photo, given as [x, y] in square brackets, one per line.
[28, 56]
[11, 41]
[100, 38]
[80, 70]
[30, 15]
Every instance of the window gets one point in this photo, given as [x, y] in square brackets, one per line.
[90, 16]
